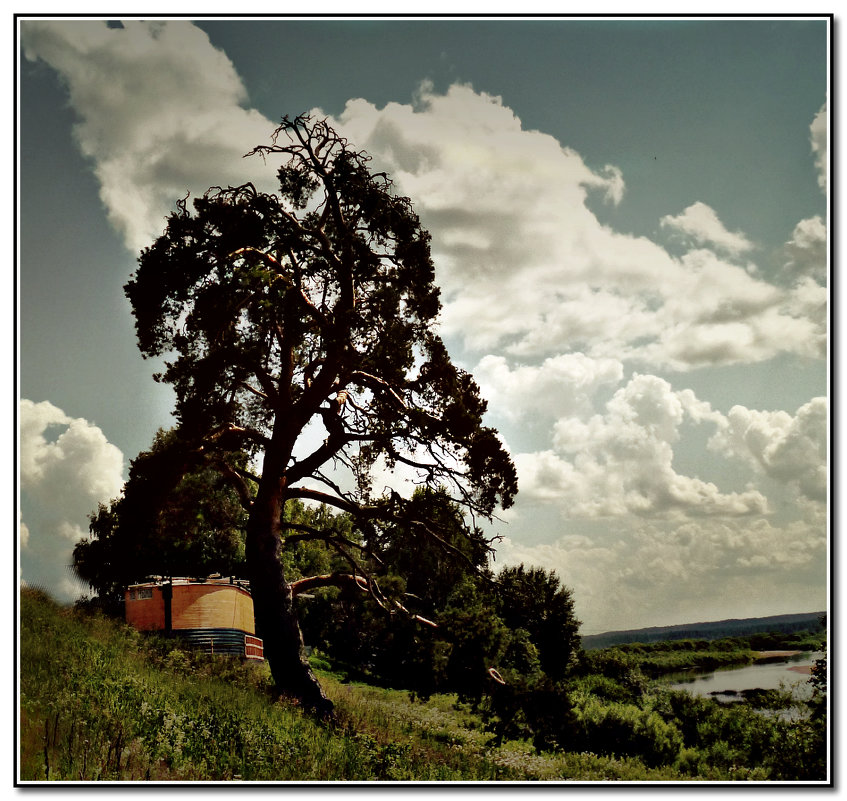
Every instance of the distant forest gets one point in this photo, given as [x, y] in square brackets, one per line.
[715, 630]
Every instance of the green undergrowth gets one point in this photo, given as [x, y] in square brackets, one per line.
[99, 701]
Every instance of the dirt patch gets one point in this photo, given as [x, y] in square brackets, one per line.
[806, 670]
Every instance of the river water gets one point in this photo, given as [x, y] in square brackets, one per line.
[791, 673]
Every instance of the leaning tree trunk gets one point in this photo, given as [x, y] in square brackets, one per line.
[276, 617]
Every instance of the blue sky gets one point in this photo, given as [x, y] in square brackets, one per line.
[629, 228]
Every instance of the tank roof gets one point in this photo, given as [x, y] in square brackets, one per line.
[158, 581]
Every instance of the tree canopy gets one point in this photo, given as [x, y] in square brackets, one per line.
[300, 327]
[532, 599]
[177, 516]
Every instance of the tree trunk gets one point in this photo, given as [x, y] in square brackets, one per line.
[276, 616]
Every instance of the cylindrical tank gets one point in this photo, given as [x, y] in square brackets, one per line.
[215, 614]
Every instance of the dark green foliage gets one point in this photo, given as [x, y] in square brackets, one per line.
[532, 599]
[614, 663]
[773, 700]
[477, 639]
[819, 682]
[178, 516]
[439, 578]
[620, 712]
[431, 562]
[534, 708]
[736, 738]
[609, 689]
[443, 579]
[658, 658]
[623, 729]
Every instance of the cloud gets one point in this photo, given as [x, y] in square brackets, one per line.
[527, 270]
[790, 449]
[525, 267]
[560, 385]
[819, 140]
[806, 251]
[620, 462]
[651, 573]
[160, 114]
[700, 223]
[67, 467]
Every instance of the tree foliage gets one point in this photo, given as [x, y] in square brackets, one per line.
[443, 581]
[177, 517]
[299, 327]
[534, 600]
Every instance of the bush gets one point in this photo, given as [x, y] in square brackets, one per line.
[626, 730]
[530, 708]
[736, 741]
[605, 687]
[615, 664]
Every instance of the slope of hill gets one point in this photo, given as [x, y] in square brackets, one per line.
[714, 630]
[99, 702]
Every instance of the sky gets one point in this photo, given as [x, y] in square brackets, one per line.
[629, 227]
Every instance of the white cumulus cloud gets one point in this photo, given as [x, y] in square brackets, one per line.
[789, 448]
[527, 269]
[160, 114]
[67, 467]
[819, 139]
[620, 462]
[651, 573]
[560, 385]
[701, 224]
[807, 251]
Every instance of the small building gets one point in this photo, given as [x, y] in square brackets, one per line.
[215, 614]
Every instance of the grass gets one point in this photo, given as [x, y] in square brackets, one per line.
[101, 702]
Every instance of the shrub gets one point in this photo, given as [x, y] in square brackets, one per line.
[605, 687]
[532, 708]
[616, 664]
[626, 730]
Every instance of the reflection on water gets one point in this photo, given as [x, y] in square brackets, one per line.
[790, 673]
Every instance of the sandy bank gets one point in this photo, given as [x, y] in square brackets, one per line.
[774, 654]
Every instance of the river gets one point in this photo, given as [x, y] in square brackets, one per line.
[725, 684]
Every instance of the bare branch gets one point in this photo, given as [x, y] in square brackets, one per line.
[310, 534]
[328, 580]
[349, 579]
[257, 392]
[309, 494]
[379, 384]
[240, 432]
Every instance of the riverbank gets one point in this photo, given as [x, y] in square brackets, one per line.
[766, 656]
[774, 673]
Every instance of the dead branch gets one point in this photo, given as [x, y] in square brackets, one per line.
[349, 579]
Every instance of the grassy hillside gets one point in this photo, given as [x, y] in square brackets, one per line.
[99, 701]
